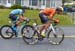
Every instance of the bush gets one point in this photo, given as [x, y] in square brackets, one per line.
[67, 6]
[2, 7]
[16, 7]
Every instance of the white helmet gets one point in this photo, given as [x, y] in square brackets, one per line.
[59, 9]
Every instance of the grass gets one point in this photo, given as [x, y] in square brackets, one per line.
[4, 16]
[4, 13]
[65, 20]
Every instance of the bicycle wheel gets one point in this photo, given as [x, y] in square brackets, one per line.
[28, 34]
[57, 37]
[6, 32]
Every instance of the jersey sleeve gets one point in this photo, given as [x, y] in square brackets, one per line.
[52, 14]
[21, 12]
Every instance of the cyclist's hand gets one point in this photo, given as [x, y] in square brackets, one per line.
[57, 20]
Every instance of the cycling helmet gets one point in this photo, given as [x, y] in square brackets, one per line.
[23, 8]
[59, 9]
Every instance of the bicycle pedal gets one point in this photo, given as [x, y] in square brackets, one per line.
[40, 38]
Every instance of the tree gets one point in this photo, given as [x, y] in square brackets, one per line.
[63, 1]
[67, 0]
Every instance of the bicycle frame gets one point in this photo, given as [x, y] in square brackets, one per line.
[51, 33]
[16, 29]
[12, 22]
[52, 28]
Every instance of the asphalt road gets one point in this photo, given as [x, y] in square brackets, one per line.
[68, 31]
[17, 44]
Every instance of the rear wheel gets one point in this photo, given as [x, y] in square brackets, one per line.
[28, 34]
[6, 32]
[57, 37]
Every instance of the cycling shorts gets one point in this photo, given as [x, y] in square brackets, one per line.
[43, 17]
[13, 17]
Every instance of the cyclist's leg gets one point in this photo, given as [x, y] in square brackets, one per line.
[14, 20]
[13, 17]
[20, 19]
[45, 21]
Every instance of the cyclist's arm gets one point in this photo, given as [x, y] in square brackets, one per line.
[22, 16]
[51, 14]
[51, 17]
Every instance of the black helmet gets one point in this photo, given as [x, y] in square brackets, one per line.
[23, 8]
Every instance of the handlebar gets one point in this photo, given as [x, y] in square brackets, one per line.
[31, 19]
[35, 20]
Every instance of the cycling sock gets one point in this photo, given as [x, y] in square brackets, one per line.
[43, 31]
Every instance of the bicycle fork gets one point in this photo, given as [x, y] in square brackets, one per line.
[52, 28]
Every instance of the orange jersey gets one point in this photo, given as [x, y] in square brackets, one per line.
[49, 11]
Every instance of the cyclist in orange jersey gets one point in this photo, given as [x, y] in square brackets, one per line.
[46, 15]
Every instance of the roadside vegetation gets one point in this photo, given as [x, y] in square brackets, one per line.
[4, 13]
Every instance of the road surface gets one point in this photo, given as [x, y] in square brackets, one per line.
[17, 44]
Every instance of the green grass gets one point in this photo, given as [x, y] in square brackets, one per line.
[4, 16]
[64, 19]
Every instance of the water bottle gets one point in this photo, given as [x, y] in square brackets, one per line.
[35, 25]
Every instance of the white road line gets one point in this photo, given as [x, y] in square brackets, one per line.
[70, 36]
[64, 36]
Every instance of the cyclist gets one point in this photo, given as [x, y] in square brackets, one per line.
[17, 16]
[45, 15]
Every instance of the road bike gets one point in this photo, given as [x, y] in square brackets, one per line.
[54, 34]
[8, 31]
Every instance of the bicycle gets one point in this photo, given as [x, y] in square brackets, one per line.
[7, 31]
[54, 34]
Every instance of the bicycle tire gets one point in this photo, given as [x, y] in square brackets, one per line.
[4, 36]
[28, 39]
[50, 36]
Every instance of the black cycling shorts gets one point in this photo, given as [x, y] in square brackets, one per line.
[43, 17]
[13, 17]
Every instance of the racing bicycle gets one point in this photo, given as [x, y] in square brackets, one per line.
[54, 34]
[8, 31]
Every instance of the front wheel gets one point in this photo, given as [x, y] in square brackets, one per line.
[57, 37]
[28, 35]
[6, 32]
